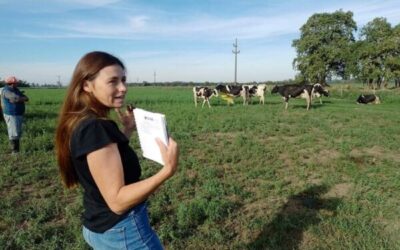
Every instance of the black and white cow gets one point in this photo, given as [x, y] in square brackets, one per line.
[234, 91]
[317, 94]
[303, 91]
[366, 99]
[257, 91]
[204, 93]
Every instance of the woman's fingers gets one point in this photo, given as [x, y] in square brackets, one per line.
[170, 154]
[161, 145]
[130, 107]
[119, 112]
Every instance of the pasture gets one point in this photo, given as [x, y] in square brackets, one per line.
[250, 177]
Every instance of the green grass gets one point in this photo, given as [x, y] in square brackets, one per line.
[250, 177]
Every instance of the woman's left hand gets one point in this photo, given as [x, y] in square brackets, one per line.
[127, 120]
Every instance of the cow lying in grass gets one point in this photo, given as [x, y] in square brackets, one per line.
[204, 93]
[366, 99]
[303, 91]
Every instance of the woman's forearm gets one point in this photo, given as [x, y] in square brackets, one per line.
[133, 194]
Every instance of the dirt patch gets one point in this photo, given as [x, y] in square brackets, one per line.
[322, 157]
[293, 206]
[315, 180]
[340, 190]
[218, 138]
[256, 208]
[391, 226]
[376, 153]
[191, 174]
[287, 160]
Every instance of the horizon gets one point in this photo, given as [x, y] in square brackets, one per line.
[180, 41]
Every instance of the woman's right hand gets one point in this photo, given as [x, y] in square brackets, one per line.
[170, 155]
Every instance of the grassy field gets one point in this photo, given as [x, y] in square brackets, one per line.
[250, 177]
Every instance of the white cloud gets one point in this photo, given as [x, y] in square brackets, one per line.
[93, 3]
[142, 27]
[204, 27]
[138, 22]
[388, 9]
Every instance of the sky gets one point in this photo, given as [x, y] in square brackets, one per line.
[41, 41]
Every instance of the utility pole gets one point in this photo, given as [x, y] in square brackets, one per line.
[59, 81]
[155, 77]
[235, 51]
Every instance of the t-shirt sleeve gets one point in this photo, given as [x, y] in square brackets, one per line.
[91, 136]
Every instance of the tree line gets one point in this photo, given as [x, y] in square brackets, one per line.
[327, 49]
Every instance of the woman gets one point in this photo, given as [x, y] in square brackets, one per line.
[93, 152]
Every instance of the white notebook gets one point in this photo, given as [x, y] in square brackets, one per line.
[150, 126]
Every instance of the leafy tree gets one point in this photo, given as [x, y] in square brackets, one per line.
[324, 46]
[392, 62]
[374, 50]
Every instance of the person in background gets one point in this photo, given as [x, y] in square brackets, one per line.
[93, 152]
[1, 106]
[13, 105]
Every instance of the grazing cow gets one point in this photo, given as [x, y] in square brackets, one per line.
[303, 91]
[205, 93]
[366, 99]
[258, 91]
[235, 91]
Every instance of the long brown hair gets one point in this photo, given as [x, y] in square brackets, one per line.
[79, 104]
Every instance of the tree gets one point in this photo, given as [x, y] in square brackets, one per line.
[374, 52]
[392, 62]
[324, 46]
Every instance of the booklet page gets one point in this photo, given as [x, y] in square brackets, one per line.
[150, 126]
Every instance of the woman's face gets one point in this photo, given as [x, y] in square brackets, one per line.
[109, 86]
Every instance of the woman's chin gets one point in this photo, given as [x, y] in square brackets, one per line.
[118, 104]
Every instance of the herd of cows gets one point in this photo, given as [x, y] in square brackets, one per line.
[307, 92]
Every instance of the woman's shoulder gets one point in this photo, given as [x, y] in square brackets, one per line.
[94, 133]
[91, 122]
[95, 126]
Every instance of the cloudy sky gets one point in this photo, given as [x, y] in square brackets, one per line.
[181, 40]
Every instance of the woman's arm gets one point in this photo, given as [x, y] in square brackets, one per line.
[106, 168]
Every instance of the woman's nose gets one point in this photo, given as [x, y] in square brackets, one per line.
[122, 86]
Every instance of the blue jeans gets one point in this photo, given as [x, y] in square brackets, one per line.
[14, 126]
[133, 232]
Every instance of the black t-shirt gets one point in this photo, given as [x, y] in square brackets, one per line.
[90, 135]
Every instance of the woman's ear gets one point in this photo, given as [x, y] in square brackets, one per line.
[87, 86]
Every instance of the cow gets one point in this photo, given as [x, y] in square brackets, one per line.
[205, 93]
[303, 91]
[257, 91]
[234, 91]
[366, 99]
[317, 94]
